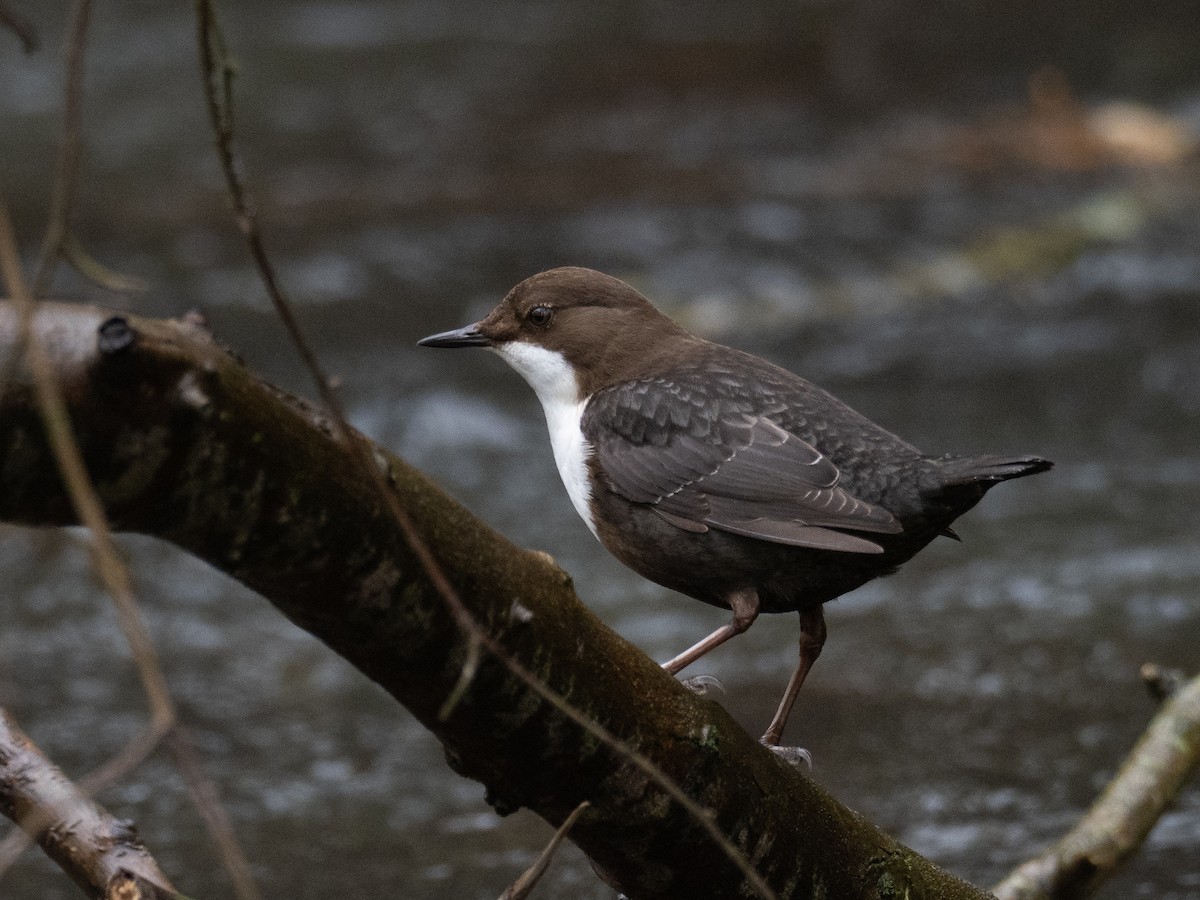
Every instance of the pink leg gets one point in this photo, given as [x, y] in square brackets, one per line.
[812, 639]
[744, 604]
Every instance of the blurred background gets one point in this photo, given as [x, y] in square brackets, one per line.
[976, 222]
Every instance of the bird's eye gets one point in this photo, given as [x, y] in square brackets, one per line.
[541, 316]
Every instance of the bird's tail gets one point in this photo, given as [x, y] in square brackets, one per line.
[956, 483]
[988, 470]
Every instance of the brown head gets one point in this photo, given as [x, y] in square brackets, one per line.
[598, 326]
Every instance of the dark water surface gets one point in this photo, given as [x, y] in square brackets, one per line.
[415, 160]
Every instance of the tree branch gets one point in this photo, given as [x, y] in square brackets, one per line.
[185, 444]
[99, 852]
[1150, 779]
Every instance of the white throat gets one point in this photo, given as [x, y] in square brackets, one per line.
[553, 380]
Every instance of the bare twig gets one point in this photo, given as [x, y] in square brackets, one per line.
[1151, 777]
[520, 888]
[204, 797]
[116, 768]
[60, 242]
[20, 27]
[84, 839]
[218, 77]
[74, 253]
[66, 179]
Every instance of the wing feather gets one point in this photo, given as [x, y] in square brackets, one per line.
[714, 461]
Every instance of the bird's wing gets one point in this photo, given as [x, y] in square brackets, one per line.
[706, 457]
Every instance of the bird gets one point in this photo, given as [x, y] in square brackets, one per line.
[714, 472]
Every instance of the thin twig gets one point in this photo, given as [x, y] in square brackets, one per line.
[220, 826]
[20, 27]
[520, 888]
[66, 178]
[60, 241]
[466, 675]
[218, 77]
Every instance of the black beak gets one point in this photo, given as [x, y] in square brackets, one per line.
[467, 336]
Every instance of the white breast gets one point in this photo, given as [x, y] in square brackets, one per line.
[553, 380]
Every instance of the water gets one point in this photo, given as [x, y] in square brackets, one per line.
[412, 162]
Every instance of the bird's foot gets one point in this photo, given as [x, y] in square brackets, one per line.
[703, 685]
[793, 756]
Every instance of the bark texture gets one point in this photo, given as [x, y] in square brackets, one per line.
[185, 444]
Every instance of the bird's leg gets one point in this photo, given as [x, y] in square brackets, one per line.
[744, 604]
[812, 639]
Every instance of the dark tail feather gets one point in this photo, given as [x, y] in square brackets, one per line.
[958, 482]
[988, 470]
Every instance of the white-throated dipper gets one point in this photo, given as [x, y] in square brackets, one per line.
[716, 473]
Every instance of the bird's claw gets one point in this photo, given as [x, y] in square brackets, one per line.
[793, 756]
[703, 685]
